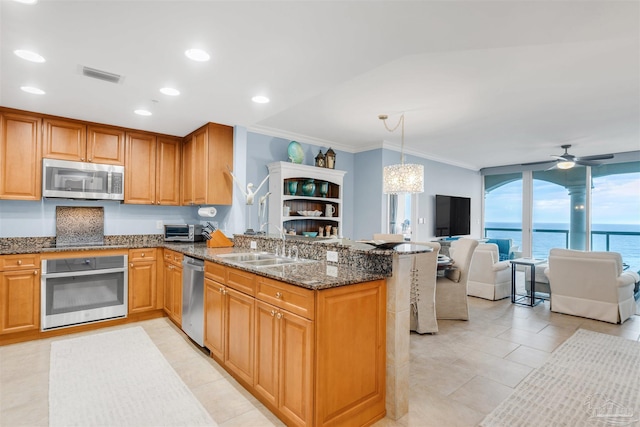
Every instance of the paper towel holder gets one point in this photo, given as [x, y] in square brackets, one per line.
[208, 212]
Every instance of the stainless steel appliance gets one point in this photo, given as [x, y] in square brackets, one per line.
[193, 299]
[183, 233]
[80, 290]
[79, 180]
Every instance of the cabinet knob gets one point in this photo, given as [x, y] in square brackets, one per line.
[91, 160]
[279, 295]
[273, 313]
[142, 254]
[19, 262]
[279, 315]
[82, 159]
[35, 272]
[131, 264]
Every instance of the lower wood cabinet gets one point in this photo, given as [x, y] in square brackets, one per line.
[314, 358]
[142, 280]
[172, 282]
[19, 293]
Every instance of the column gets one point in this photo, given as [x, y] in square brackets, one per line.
[398, 337]
[578, 217]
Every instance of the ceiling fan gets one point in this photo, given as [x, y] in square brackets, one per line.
[567, 161]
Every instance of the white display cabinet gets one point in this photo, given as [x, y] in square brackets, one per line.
[301, 202]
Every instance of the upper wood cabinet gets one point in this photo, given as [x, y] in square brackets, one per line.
[206, 154]
[20, 157]
[152, 169]
[77, 141]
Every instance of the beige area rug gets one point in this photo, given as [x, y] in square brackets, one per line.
[118, 378]
[592, 379]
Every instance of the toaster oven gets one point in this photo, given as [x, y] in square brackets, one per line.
[183, 233]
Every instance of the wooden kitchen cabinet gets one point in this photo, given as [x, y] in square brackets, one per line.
[319, 356]
[19, 293]
[284, 361]
[20, 156]
[77, 141]
[206, 154]
[142, 280]
[152, 169]
[229, 322]
[172, 280]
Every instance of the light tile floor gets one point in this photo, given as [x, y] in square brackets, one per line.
[457, 376]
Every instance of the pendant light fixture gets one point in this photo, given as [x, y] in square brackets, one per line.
[402, 178]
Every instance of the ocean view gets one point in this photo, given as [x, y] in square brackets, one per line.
[628, 245]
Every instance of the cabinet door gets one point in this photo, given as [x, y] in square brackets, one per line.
[65, 140]
[142, 286]
[239, 334]
[177, 294]
[187, 170]
[219, 190]
[20, 154]
[199, 172]
[267, 352]
[19, 300]
[140, 169]
[214, 318]
[296, 363]
[167, 276]
[168, 171]
[105, 145]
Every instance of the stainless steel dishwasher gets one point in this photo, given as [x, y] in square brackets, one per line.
[193, 299]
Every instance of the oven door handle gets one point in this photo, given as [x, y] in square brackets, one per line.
[84, 273]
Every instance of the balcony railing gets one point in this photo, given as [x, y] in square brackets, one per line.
[630, 252]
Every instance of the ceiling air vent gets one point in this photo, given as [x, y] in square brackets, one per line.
[101, 75]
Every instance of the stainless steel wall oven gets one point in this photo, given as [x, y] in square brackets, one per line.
[83, 289]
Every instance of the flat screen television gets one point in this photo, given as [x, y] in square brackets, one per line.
[453, 216]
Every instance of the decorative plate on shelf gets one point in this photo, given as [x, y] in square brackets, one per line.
[295, 152]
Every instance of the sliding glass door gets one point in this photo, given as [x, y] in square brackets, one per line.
[503, 207]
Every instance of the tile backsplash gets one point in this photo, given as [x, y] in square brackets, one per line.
[79, 226]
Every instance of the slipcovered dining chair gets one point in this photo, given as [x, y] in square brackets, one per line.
[423, 290]
[489, 278]
[451, 289]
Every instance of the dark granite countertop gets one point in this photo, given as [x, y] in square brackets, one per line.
[310, 275]
[357, 262]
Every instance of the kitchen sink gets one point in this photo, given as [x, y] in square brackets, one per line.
[263, 259]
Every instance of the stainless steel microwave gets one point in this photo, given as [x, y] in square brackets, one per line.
[80, 180]
[183, 233]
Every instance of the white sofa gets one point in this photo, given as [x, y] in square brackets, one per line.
[591, 284]
[489, 278]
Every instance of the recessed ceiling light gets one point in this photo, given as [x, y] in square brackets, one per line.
[170, 91]
[33, 90]
[197, 55]
[142, 112]
[260, 99]
[29, 56]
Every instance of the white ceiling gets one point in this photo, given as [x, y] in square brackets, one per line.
[482, 83]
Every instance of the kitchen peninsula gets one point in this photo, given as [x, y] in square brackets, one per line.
[333, 314]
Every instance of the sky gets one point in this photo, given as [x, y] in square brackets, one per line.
[615, 200]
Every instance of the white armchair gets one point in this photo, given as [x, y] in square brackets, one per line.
[489, 278]
[590, 284]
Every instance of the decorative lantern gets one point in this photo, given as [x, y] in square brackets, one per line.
[330, 159]
[320, 160]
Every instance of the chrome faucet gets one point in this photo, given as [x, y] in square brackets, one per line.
[283, 236]
[291, 249]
